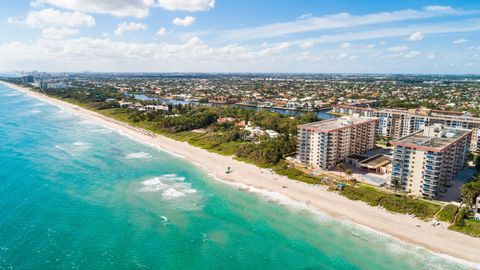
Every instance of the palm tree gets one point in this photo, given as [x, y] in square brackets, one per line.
[348, 172]
[340, 166]
[470, 191]
[396, 184]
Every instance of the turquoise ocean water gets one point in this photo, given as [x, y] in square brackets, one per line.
[75, 195]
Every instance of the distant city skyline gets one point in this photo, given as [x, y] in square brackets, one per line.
[427, 37]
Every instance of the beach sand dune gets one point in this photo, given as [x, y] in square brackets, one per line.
[406, 228]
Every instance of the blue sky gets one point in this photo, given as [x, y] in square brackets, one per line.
[241, 36]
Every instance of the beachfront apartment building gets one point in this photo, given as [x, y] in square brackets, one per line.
[425, 162]
[396, 123]
[324, 144]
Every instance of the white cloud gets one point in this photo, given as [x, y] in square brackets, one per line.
[411, 54]
[186, 5]
[107, 55]
[103, 54]
[369, 46]
[120, 8]
[381, 33]
[416, 36]
[127, 8]
[161, 31]
[400, 48]
[307, 44]
[305, 16]
[336, 21]
[58, 33]
[12, 20]
[187, 21]
[437, 8]
[124, 26]
[346, 45]
[459, 41]
[55, 18]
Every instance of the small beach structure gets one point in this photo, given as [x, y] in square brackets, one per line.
[377, 164]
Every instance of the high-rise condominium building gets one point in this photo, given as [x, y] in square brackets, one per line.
[323, 144]
[425, 162]
[394, 123]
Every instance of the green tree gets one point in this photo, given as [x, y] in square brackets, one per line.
[470, 191]
[340, 166]
[348, 172]
[395, 184]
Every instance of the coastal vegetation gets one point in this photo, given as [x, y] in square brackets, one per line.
[464, 221]
[447, 213]
[391, 202]
[221, 129]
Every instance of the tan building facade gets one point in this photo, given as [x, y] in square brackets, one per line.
[395, 123]
[324, 144]
[425, 162]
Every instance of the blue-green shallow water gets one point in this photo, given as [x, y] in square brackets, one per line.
[74, 195]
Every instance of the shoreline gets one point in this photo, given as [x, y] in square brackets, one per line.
[438, 240]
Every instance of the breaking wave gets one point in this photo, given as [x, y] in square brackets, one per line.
[170, 185]
[100, 131]
[138, 155]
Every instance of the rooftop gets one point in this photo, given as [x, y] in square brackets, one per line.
[376, 161]
[434, 138]
[337, 123]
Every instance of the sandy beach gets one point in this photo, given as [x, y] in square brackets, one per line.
[405, 228]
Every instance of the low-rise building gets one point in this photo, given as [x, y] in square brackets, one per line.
[257, 131]
[425, 162]
[156, 107]
[323, 144]
[125, 104]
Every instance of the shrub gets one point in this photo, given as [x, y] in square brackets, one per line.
[447, 213]
[390, 202]
[460, 217]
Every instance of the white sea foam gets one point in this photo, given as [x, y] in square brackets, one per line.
[30, 112]
[153, 188]
[172, 186]
[153, 182]
[61, 148]
[171, 193]
[39, 104]
[138, 155]
[81, 144]
[11, 95]
[100, 131]
[199, 165]
[173, 177]
[395, 245]
[63, 113]
[271, 195]
[280, 198]
[86, 122]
